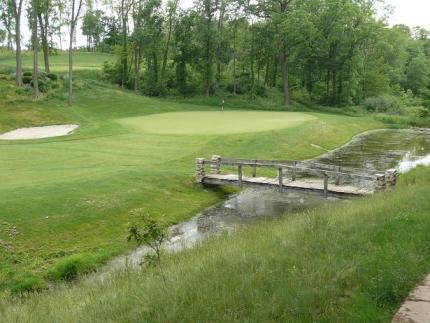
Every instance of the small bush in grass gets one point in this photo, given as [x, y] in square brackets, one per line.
[71, 267]
[27, 74]
[28, 284]
[27, 79]
[52, 76]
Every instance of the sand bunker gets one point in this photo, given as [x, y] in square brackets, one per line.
[39, 132]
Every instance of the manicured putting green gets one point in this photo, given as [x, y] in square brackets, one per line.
[215, 122]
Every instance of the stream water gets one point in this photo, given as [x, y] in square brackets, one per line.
[374, 150]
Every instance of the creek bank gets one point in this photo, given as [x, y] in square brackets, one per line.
[377, 150]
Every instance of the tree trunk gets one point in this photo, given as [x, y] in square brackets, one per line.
[218, 51]
[44, 37]
[73, 21]
[137, 58]
[169, 35]
[70, 84]
[18, 57]
[234, 63]
[284, 72]
[124, 45]
[17, 9]
[35, 52]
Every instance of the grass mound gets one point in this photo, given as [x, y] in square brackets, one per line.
[216, 122]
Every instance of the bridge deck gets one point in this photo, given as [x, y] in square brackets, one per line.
[309, 184]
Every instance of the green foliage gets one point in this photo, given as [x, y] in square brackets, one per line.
[28, 284]
[52, 76]
[71, 267]
[146, 230]
[384, 104]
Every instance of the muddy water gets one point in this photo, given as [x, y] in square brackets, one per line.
[375, 151]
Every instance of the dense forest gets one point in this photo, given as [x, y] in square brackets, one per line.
[331, 52]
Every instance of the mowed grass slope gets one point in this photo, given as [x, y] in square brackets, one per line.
[351, 262]
[59, 62]
[70, 197]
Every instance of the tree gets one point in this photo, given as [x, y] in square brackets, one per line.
[17, 10]
[6, 18]
[207, 9]
[418, 73]
[74, 15]
[35, 42]
[276, 11]
[43, 13]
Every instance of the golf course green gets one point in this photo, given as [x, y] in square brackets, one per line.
[216, 122]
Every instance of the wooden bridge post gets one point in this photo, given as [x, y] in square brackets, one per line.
[239, 174]
[280, 178]
[200, 169]
[254, 169]
[390, 178]
[338, 177]
[325, 185]
[216, 165]
[293, 171]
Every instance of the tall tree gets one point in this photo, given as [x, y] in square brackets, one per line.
[35, 42]
[74, 16]
[6, 17]
[17, 10]
[172, 6]
[207, 9]
[43, 13]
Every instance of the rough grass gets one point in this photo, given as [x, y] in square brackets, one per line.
[72, 195]
[350, 262]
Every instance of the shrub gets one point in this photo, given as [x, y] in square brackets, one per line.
[52, 76]
[43, 85]
[71, 267]
[27, 79]
[27, 74]
[4, 77]
[385, 104]
[27, 284]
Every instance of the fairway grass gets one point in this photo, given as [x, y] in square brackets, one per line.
[216, 122]
[59, 62]
[70, 197]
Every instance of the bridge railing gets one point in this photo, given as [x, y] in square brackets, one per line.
[293, 168]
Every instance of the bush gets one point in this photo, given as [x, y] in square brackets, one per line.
[27, 284]
[27, 74]
[27, 79]
[71, 267]
[43, 85]
[4, 77]
[52, 76]
[385, 104]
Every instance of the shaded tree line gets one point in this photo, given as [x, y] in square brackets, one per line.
[333, 52]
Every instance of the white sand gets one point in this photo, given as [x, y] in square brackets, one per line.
[39, 132]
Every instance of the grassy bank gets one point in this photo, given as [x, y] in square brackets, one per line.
[352, 262]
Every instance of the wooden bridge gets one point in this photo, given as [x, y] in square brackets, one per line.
[295, 175]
